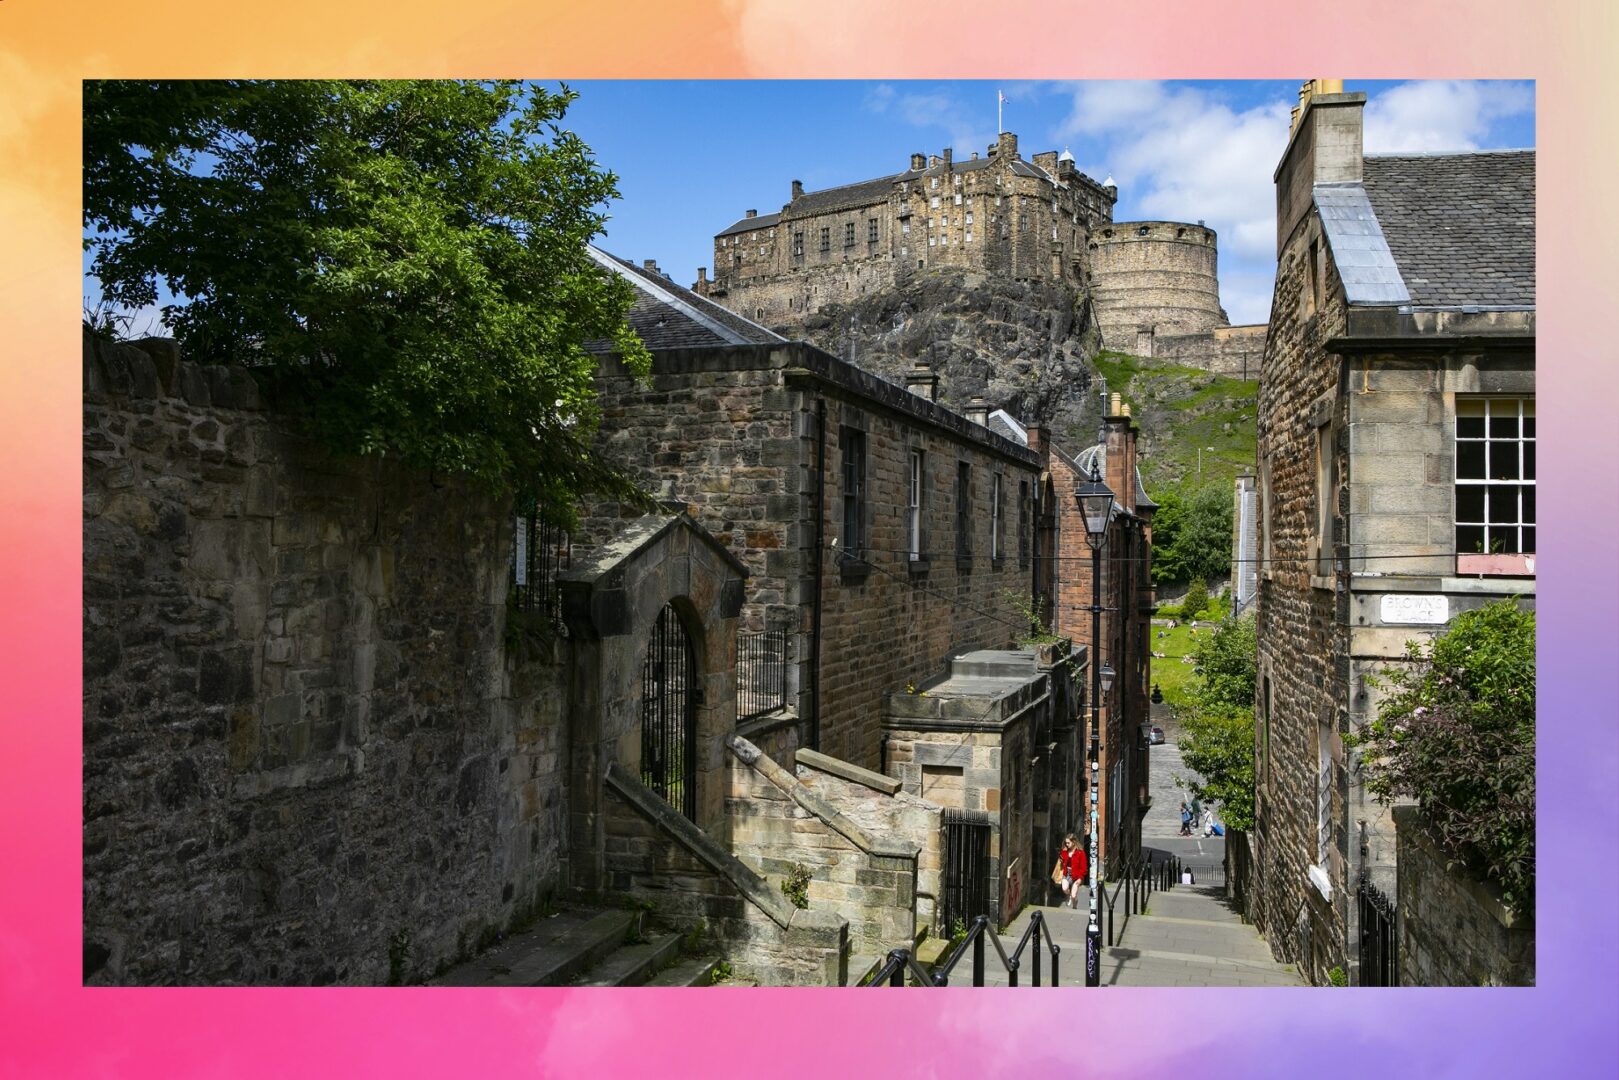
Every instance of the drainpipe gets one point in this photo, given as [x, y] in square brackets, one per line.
[820, 573]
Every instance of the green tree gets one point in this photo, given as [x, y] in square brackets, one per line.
[1457, 733]
[1191, 535]
[1195, 600]
[405, 260]
[1218, 722]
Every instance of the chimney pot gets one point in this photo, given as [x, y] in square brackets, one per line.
[922, 382]
[977, 410]
[650, 264]
[702, 273]
[948, 155]
[753, 213]
[1113, 404]
[975, 155]
[798, 189]
[918, 162]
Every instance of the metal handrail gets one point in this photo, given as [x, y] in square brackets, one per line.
[899, 961]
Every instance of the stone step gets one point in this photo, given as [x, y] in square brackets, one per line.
[633, 965]
[692, 971]
[549, 955]
[864, 965]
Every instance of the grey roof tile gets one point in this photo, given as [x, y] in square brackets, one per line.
[1365, 264]
[1461, 227]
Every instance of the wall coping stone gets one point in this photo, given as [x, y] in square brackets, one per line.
[665, 818]
[833, 818]
[1408, 824]
[814, 759]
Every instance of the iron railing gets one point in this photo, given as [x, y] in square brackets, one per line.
[669, 699]
[539, 552]
[761, 673]
[1140, 879]
[1379, 942]
[900, 961]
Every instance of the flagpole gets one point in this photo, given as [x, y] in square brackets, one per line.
[1000, 99]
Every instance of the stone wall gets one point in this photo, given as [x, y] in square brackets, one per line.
[733, 434]
[1453, 929]
[307, 757]
[867, 877]
[1159, 276]
[1303, 648]
[1232, 351]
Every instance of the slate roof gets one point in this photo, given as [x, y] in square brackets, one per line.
[748, 224]
[1461, 227]
[670, 316]
[1365, 264]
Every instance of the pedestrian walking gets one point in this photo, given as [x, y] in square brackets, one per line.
[1186, 819]
[1208, 822]
[1069, 873]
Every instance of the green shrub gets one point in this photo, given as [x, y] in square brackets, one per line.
[1168, 611]
[1457, 733]
[1195, 600]
[795, 886]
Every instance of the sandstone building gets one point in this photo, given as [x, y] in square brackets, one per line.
[1396, 461]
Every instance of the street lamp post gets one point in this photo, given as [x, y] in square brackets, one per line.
[1095, 501]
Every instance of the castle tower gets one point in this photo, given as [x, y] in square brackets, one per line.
[1151, 278]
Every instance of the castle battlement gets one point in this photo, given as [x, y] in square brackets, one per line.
[996, 213]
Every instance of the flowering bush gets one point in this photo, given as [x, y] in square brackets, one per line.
[1458, 735]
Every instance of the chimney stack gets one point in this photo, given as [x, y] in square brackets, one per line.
[918, 162]
[798, 190]
[922, 381]
[1325, 146]
[977, 410]
[1006, 145]
[650, 264]
[752, 213]
[975, 155]
[933, 161]
[1038, 438]
[948, 155]
[702, 275]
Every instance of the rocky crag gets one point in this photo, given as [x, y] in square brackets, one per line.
[1026, 347]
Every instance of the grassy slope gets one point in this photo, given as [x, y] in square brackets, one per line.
[1179, 410]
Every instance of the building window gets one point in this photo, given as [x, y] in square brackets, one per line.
[958, 198]
[1323, 789]
[1023, 523]
[969, 217]
[969, 238]
[995, 516]
[798, 243]
[935, 183]
[1054, 233]
[853, 442]
[934, 202]
[1326, 483]
[826, 240]
[1495, 476]
[931, 241]
[964, 525]
[871, 230]
[904, 250]
[914, 506]
[945, 221]
[848, 234]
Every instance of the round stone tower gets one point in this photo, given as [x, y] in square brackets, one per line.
[1151, 278]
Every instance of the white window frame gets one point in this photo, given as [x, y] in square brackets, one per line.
[1502, 542]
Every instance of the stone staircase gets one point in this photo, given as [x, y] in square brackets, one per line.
[586, 947]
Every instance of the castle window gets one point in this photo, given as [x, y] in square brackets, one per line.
[826, 240]
[958, 198]
[904, 250]
[932, 240]
[969, 217]
[758, 313]
[761, 249]
[958, 182]
[997, 200]
[1054, 232]
[1141, 231]
[848, 234]
[969, 236]
[798, 243]
[935, 184]
[945, 220]
[934, 202]
[1022, 220]
[905, 227]
[871, 230]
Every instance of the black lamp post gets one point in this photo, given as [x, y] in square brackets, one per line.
[1095, 505]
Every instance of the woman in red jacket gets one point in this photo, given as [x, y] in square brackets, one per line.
[1073, 863]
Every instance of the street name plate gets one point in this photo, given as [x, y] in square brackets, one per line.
[1424, 610]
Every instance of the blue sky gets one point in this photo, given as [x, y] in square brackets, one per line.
[693, 156]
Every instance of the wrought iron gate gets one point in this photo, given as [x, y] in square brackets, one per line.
[669, 699]
[1379, 944]
[967, 892]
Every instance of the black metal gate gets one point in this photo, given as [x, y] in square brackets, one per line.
[967, 892]
[669, 698]
[1379, 944]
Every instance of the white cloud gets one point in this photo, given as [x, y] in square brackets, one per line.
[1419, 116]
[963, 127]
